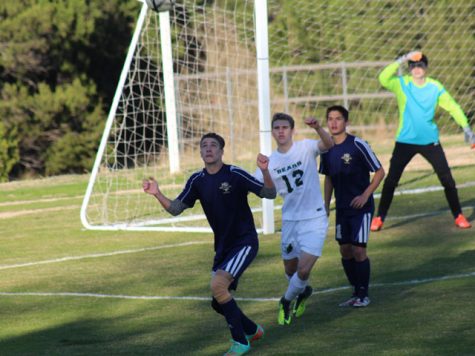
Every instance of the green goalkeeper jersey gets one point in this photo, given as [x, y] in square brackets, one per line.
[417, 105]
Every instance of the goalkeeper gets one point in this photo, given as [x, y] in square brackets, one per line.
[418, 97]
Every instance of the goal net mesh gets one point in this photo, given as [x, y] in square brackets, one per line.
[320, 53]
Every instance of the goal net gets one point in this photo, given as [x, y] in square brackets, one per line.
[320, 53]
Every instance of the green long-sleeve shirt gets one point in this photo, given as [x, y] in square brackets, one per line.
[417, 105]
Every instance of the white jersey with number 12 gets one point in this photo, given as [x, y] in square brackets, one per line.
[295, 175]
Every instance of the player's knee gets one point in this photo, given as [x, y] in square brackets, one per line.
[359, 253]
[346, 251]
[219, 288]
[216, 306]
[447, 180]
[304, 273]
[391, 182]
[289, 272]
[291, 266]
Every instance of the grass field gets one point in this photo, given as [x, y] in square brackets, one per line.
[66, 291]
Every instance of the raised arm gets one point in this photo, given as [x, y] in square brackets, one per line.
[326, 141]
[388, 78]
[268, 191]
[388, 75]
[174, 207]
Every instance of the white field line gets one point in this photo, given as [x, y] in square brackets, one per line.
[435, 188]
[54, 199]
[184, 244]
[429, 213]
[107, 254]
[197, 298]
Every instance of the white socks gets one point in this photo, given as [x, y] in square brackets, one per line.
[296, 286]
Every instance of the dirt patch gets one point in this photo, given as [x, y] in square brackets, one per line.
[14, 214]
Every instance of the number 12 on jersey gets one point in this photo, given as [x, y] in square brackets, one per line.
[296, 177]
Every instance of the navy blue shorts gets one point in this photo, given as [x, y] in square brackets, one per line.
[236, 261]
[352, 228]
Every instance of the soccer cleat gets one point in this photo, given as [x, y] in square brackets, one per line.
[299, 306]
[462, 222]
[361, 302]
[259, 334]
[349, 302]
[377, 223]
[284, 316]
[237, 349]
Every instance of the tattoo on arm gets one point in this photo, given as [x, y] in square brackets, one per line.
[176, 207]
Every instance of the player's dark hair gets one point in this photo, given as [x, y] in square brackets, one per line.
[341, 109]
[283, 116]
[423, 59]
[214, 136]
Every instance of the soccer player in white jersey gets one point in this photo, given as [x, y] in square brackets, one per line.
[347, 166]
[293, 168]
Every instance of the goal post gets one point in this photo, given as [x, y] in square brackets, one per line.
[231, 63]
[169, 91]
[263, 86]
[107, 208]
[107, 129]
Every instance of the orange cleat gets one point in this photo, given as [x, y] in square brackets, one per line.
[259, 334]
[377, 223]
[462, 222]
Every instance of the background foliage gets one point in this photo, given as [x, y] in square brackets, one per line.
[61, 59]
[59, 65]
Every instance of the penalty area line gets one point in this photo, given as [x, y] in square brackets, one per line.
[184, 244]
[197, 298]
[106, 254]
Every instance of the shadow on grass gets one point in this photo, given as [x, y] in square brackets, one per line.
[147, 331]
[429, 212]
[426, 174]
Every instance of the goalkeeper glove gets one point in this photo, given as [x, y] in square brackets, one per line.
[469, 136]
[414, 56]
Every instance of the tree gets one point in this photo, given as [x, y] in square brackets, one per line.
[60, 63]
[8, 152]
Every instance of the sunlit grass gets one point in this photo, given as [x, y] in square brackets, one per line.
[422, 289]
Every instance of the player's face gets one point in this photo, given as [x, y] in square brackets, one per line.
[418, 72]
[336, 123]
[282, 132]
[210, 151]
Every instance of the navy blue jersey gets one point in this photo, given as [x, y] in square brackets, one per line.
[223, 196]
[348, 165]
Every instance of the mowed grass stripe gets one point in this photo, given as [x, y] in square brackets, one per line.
[185, 244]
[248, 299]
[422, 290]
[42, 210]
[108, 254]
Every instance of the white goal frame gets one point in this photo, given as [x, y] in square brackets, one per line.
[263, 92]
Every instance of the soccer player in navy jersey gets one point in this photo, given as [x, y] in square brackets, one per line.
[222, 190]
[347, 166]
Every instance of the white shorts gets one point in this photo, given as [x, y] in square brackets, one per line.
[303, 235]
